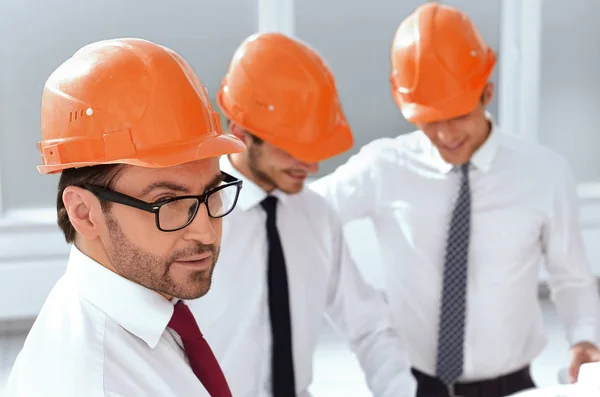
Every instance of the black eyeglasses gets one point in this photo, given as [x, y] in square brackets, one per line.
[175, 213]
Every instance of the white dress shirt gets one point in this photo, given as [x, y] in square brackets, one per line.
[524, 209]
[322, 279]
[101, 335]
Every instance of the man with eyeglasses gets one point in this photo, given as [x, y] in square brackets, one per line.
[132, 132]
[285, 264]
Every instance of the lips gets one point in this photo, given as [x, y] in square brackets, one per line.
[200, 262]
[297, 175]
[453, 147]
[196, 258]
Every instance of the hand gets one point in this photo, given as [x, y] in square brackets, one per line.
[581, 353]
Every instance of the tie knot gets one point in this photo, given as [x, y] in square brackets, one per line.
[463, 168]
[270, 205]
[184, 323]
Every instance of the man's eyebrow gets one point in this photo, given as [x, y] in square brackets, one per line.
[216, 181]
[165, 185]
[175, 187]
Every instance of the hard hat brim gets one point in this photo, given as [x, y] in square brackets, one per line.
[167, 156]
[416, 113]
[338, 142]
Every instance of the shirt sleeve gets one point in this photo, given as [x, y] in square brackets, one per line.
[359, 312]
[573, 285]
[352, 189]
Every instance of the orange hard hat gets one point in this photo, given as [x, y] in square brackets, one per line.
[440, 64]
[281, 91]
[128, 101]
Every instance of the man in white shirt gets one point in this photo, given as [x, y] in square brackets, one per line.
[141, 195]
[464, 214]
[285, 262]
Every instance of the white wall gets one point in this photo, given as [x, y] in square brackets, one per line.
[570, 90]
[569, 116]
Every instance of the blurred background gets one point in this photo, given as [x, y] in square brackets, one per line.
[547, 88]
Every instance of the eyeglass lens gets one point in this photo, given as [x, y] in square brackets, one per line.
[178, 213]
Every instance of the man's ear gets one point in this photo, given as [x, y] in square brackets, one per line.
[82, 207]
[239, 132]
[488, 93]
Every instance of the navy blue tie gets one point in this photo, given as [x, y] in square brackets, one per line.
[282, 364]
[451, 331]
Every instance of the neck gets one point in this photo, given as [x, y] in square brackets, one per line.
[487, 129]
[95, 251]
[241, 164]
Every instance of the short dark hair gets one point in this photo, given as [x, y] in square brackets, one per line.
[256, 139]
[99, 175]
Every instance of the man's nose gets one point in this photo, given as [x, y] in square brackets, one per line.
[446, 135]
[311, 168]
[202, 229]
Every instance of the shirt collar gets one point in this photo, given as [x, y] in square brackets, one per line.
[482, 158]
[137, 309]
[251, 194]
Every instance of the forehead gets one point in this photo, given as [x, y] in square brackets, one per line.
[195, 173]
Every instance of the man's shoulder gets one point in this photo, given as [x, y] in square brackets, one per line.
[392, 146]
[392, 151]
[66, 309]
[533, 153]
[62, 354]
[318, 209]
[312, 201]
[66, 327]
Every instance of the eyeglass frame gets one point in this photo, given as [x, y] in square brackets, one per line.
[112, 196]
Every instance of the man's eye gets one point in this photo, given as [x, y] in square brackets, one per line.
[162, 198]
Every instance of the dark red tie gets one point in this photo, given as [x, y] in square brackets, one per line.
[201, 358]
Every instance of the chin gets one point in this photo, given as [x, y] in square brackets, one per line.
[456, 159]
[292, 188]
[193, 286]
[190, 292]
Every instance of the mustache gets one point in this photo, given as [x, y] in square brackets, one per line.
[296, 171]
[196, 249]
